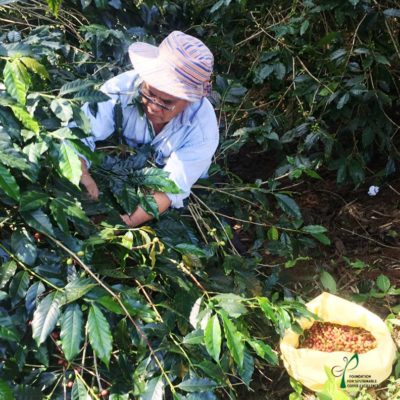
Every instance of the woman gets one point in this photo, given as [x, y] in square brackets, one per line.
[163, 103]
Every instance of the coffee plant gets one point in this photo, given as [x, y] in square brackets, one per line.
[180, 308]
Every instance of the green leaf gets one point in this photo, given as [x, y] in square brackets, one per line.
[296, 385]
[154, 389]
[54, 5]
[392, 12]
[70, 165]
[91, 95]
[288, 205]
[233, 339]
[314, 229]
[279, 70]
[328, 282]
[46, 316]
[356, 171]
[273, 233]
[9, 334]
[39, 220]
[262, 73]
[63, 209]
[194, 337]
[102, 4]
[62, 109]
[397, 370]
[75, 86]
[13, 159]
[331, 389]
[213, 337]
[76, 289]
[343, 101]
[321, 238]
[99, 334]
[71, 331]
[35, 66]
[148, 203]
[26, 119]
[31, 200]
[231, 303]
[246, 371]
[3, 3]
[79, 391]
[187, 248]
[7, 271]
[292, 263]
[304, 26]
[338, 54]
[197, 385]
[110, 304]
[153, 178]
[212, 370]
[383, 283]
[62, 134]
[32, 296]
[57, 211]
[267, 309]
[23, 247]
[81, 119]
[128, 199]
[381, 59]
[16, 79]
[5, 391]
[85, 3]
[9, 184]
[18, 287]
[264, 351]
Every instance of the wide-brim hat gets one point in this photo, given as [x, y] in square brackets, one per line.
[180, 66]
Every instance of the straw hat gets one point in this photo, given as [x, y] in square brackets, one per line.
[180, 66]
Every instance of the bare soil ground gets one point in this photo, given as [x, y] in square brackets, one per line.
[364, 230]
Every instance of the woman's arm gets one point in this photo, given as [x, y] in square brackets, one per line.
[88, 182]
[139, 216]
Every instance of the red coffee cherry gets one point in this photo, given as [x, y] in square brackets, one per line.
[329, 337]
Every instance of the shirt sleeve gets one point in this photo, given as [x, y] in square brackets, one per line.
[186, 165]
[102, 122]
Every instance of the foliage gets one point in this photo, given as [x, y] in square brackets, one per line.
[68, 303]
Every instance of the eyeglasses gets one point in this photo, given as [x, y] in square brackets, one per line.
[152, 100]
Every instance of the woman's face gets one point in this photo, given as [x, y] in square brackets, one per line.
[160, 107]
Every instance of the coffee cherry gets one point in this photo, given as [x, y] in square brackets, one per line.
[328, 337]
[37, 236]
[80, 253]
[104, 393]
[70, 384]
[55, 335]
[70, 261]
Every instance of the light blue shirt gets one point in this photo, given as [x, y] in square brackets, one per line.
[184, 147]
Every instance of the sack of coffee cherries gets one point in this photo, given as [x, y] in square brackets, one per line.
[353, 343]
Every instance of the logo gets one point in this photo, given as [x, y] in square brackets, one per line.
[338, 372]
[352, 380]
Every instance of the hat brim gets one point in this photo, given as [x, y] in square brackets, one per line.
[156, 72]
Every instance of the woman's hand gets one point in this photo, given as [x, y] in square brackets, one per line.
[88, 182]
[90, 185]
[139, 216]
[127, 220]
